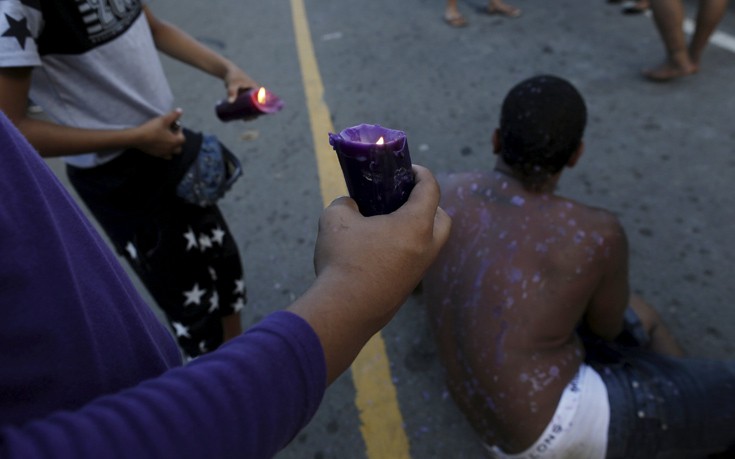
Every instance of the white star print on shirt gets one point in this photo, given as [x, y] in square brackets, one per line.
[218, 235]
[132, 251]
[213, 302]
[212, 273]
[180, 330]
[238, 305]
[205, 242]
[202, 347]
[239, 286]
[191, 240]
[194, 296]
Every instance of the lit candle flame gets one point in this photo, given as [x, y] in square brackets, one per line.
[261, 95]
[380, 141]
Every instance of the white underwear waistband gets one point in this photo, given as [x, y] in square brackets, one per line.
[578, 428]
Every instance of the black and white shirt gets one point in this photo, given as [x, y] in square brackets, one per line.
[95, 63]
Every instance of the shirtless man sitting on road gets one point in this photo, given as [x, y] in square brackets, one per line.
[526, 275]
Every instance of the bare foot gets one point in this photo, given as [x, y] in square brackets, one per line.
[504, 10]
[669, 71]
[455, 19]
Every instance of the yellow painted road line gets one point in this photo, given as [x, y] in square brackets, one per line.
[381, 420]
[330, 175]
[376, 399]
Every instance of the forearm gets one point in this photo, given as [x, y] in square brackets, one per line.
[247, 399]
[181, 46]
[328, 308]
[52, 139]
[48, 138]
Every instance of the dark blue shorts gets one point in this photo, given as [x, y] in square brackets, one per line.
[663, 406]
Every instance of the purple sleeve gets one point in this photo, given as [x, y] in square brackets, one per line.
[248, 399]
[73, 325]
[86, 370]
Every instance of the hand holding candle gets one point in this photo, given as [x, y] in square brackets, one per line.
[250, 103]
[376, 165]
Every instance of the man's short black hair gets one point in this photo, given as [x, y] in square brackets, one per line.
[541, 125]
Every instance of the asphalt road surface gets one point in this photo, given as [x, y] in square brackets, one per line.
[659, 155]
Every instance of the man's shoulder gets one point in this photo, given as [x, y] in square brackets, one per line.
[595, 219]
[601, 215]
[452, 181]
[457, 178]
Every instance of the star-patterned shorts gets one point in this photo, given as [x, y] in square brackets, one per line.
[185, 255]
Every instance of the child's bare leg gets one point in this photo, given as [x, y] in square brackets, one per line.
[231, 326]
[662, 340]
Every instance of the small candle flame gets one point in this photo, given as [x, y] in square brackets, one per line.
[380, 141]
[261, 95]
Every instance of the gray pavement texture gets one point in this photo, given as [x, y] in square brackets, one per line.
[659, 155]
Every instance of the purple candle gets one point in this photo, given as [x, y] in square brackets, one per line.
[249, 104]
[376, 165]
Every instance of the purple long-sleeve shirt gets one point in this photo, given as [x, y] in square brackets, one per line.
[86, 368]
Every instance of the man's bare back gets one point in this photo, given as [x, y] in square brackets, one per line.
[519, 273]
[523, 271]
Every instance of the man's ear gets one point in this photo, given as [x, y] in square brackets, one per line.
[576, 155]
[496, 142]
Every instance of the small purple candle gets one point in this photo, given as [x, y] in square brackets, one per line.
[249, 104]
[376, 165]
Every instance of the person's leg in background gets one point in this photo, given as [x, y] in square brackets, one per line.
[682, 59]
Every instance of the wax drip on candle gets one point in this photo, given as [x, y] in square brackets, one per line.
[377, 172]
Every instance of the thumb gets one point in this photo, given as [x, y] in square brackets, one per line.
[234, 91]
[173, 115]
[344, 201]
[172, 120]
